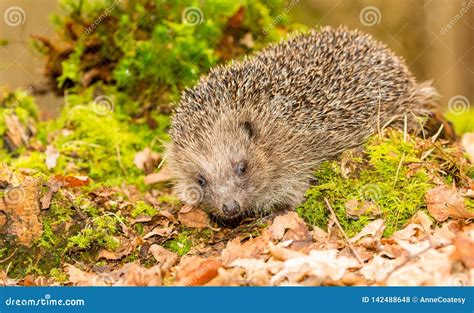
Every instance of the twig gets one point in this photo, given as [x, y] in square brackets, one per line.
[119, 159]
[405, 128]
[412, 257]
[433, 139]
[356, 255]
[8, 257]
[398, 169]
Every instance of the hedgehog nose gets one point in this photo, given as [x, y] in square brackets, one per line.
[231, 208]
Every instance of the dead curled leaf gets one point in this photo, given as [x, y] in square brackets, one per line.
[281, 253]
[146, 160]
[73, 181]
[421, 218]
[464, 243]
[164, 175]
[252, 248]
[289, 227]
[323, 264]
[53, 187]
[159, 231]
[197, 271]
[193, 217]
[444, 202]
[373, 231]
[131, 274]
[164, 258]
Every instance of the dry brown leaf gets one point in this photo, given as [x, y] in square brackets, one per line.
[131, 274]
[411, 232]
[186, 208]
[53, 187]
[281, 253]
[422, 219]
[30, 280]
[167, 214]
[79, 277]
[141, 218]
[164, 175]
[289, 227]
[165, 258]
[73, 181]
[374, 230]
[146, 160]
[159, 231]
[444, 202]
[197, 271]
[194, 217]
[257, 271]
[323, 264]
[252, 248]
[5, 280]
[464, 244]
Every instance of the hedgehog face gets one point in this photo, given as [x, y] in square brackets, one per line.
[238, 167]
[219, 175]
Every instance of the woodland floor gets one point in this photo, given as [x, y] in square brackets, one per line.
[54, 236]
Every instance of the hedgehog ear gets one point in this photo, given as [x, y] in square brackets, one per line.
[248, 127]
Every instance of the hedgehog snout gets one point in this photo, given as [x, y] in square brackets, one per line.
[231, 208]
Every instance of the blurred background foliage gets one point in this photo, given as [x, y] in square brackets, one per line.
[132, 58]
[117, 67]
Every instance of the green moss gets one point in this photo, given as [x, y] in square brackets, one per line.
[32, 160]
[382, 180]
[462, 123]
[59, 275]
[100, 233]
[143, 208]
[21, 104]
[168, 199]
[181, 244]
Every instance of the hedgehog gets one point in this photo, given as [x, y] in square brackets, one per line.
[248, 137]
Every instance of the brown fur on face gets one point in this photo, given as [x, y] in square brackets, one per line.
[281, 113]
[237, 140]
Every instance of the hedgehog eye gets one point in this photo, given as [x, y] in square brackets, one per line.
[247, 126]
[241, 168]
[201, 181]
